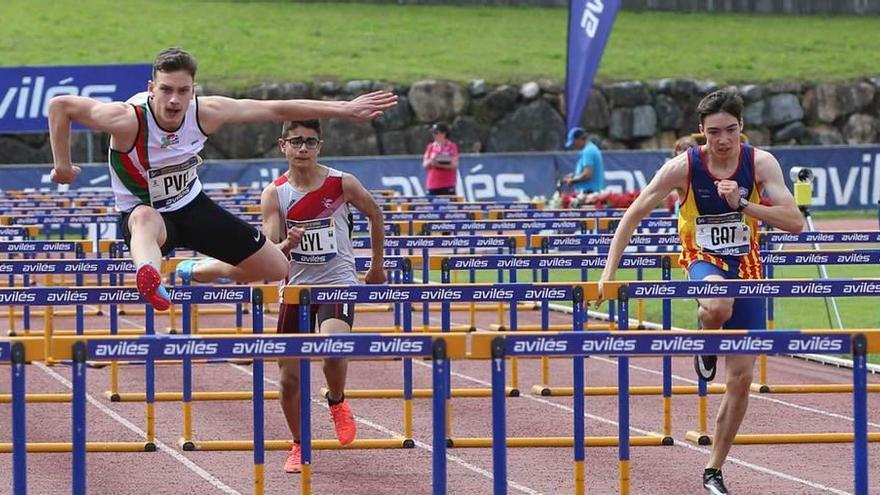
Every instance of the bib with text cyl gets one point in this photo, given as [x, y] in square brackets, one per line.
[318, 243]
[723, 235]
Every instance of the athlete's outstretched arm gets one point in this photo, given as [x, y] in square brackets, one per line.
[116, 118]
[214, 111]
[672, 175]
[783, 212]
[360, 198]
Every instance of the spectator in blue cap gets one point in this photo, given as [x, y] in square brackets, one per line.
[589, 173]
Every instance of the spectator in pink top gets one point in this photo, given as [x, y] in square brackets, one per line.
[441, 162]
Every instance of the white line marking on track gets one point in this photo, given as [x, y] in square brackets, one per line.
[216, 483]
[419, 444]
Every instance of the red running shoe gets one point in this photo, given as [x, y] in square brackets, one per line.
[343, 421]
[149, 284]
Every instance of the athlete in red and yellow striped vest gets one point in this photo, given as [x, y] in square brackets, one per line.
[722, 183]
[713, 231]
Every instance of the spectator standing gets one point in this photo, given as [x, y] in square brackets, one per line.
[440, 162]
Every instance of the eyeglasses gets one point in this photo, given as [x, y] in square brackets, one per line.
[297, 142]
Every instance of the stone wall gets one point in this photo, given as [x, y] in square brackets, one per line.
[529, 117]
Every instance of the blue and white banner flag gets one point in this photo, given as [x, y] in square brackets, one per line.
[589, 24]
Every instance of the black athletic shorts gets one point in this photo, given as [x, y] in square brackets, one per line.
[288, 316]
[206, 227]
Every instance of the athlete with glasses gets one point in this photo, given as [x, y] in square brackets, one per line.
[306, 214]
[155, 140]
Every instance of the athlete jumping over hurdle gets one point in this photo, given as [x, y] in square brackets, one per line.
[306, 213]
[722, 183]
[155, 139]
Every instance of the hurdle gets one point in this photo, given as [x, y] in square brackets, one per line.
[638, 343]
[751, 288]
[187, 297]
[32, 248]
[406, 295]
[854, 257]
[579, 294]
[79, 349]
[400, 266]
[48, 352]
[426, 243]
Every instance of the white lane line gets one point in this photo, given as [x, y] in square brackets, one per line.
[763, 397]
[216, 483]
[394, 434]
[686, 445]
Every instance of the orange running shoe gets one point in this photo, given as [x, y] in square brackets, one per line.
[294, 459]
[343, 420]
[149, 284]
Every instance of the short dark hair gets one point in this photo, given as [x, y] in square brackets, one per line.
[315, 125]
[721, 101]
[174, 59]
[440, 127]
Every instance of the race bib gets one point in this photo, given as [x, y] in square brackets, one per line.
[171, 184]
[318, 243]
[724, 235]
[444, 158]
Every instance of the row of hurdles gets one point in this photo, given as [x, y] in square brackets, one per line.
[441, 348]
[408, 295]
[500, 263]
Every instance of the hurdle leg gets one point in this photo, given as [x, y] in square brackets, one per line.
[578, 398]
[762, 359]
[860, 414]
[623, 395]
[113, 394]
[48, 316]
[78, 485]
[499, 420]
[440, 392]
[578, 317]
[514, 324]
[305, 391]
[257, 400]
[188, 318]
[26, 311]
[445, 325]
[406, 310]
[666, 305]
[702, 426]
[19, 421]
[172, 319]
[150, 372]
[305, 419]
[545, 323]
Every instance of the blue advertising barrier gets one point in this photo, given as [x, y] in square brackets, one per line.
[584, 241]
[48, 296]
[19, 247]
[25, 91]
[173, 347]
[753, 288]
[845, 176]
[650, 260]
